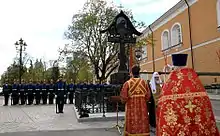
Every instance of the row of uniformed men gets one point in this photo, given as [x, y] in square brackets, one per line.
[28, 92]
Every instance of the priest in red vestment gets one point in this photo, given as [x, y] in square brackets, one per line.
[184, 108]
[135, 94]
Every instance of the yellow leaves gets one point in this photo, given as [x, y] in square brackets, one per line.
[141, 42]
[149, 40]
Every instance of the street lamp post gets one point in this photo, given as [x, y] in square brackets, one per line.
[20, 46]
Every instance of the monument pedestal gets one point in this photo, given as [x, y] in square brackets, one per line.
[119, 78]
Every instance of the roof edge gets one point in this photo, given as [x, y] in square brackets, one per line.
[180, 4]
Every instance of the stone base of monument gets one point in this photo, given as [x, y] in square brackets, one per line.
[98, 117]
[119, 78]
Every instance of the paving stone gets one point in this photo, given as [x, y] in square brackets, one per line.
[41, 118]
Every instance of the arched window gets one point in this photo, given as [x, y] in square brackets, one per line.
[218, 12]
[165, 40]
[176, 34]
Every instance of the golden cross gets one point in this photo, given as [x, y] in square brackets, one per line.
[120, 7]
[190, 106]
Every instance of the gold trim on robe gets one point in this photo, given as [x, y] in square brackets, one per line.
[135, 93]
[184, 108]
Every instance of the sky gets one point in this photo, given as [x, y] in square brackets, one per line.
[42, 23]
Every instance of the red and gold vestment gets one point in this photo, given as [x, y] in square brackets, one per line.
[184, 108]
[135, 93]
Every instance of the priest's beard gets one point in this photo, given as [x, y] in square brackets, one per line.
[157, 82]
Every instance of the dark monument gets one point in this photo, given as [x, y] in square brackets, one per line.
[122, 31]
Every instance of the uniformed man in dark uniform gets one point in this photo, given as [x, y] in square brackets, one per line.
[60, 94]
[30, 95]
[14, 94]
[25, 91]
[37, 92]
[44, 91]
[71, 90]
[22, 92]
[51, 91]
[6, 92]
[34, 91]
[65, 87]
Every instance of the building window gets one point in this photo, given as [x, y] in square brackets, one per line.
[165, 40]
[176, 35]
[218, 12]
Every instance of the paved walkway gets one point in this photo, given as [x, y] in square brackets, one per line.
[32, 119]
[40, 118]
[88, 132]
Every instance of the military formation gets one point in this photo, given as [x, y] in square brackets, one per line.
[44, 92]
[40, 92]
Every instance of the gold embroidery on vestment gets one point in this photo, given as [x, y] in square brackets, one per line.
[174, 90]
[181, 133]
[190, 76]
[190, 106]
[179, 75]
[187, 119]
[197, 119]
[187, 90]
[137, 96]
[137, 88]
[165, 134]
[180, 96]
[170, 116]
[207, 132]
[208, 113]
[198, 110]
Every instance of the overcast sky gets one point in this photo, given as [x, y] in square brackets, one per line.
[41, 23]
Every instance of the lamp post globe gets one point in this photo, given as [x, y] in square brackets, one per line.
[138, 53]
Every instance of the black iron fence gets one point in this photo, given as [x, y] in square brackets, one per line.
[96, 100]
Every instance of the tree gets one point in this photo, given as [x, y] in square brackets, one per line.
[148, 41]
[78, 67]
[38, 70]
[85, 75]
[55, 71]
[84, 33]
[48, 74]
[12, 73]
